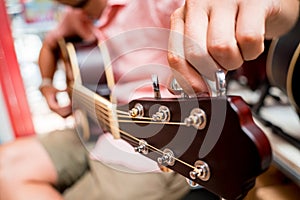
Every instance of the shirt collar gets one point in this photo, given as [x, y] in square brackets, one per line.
[105, 15]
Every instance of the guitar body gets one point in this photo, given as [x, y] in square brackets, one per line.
[283, 65]
[84, 62]
[222, 150]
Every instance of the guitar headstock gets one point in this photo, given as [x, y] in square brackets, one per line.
[213, 141]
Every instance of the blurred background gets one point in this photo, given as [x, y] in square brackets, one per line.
[24, 111]
[29, 20]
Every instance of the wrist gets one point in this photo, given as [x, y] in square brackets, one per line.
[45, 82]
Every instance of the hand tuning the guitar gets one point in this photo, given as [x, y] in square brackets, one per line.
[211, 140]
[197, 117]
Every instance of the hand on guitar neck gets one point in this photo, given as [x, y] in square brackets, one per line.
[52, 96]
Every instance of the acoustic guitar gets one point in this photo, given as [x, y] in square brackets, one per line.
[212, 141]
[283, 65]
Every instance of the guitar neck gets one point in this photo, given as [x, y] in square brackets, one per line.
[97, 107]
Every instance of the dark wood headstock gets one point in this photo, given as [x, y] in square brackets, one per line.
[235, 150]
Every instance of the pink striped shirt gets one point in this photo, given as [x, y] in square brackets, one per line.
[136, 35]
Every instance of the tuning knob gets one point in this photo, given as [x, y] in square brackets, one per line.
[220, 83]
[177, 89]
[192, 183]
[156, 88]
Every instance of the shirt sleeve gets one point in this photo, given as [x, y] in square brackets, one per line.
[73, 23]
[61, 30]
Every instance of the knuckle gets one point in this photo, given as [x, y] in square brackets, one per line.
[226, 53]
[251, 44]
[174, 59]
[224, 48]
[193, 52]
[250, 38]
[177, 13]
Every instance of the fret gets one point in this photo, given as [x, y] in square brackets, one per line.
[98, 108]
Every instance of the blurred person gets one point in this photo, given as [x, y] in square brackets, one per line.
[58, 166]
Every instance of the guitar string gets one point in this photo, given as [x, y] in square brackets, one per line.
[154, 149]
[87, 97]
[124, 113]
[106, 110]
[151, 122]
[104, 118]
[106, 122]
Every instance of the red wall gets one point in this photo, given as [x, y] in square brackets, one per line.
[11, 80]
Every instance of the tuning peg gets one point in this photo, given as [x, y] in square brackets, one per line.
[220, 83]
[142, 148]
[177, 89]
[167, 158]
[156, 88]
[162, 115]
[191, 183]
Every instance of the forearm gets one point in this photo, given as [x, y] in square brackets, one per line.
[283, 20]
[48, 56]
[47, 61]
